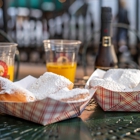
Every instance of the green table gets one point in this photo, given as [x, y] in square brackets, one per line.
[93, 124]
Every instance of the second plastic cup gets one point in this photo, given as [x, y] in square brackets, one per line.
[61, 57]
[7, 58]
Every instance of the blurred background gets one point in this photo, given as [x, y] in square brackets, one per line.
[29, 22]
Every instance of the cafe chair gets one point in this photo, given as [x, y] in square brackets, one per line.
[128, 61]
[4, 37]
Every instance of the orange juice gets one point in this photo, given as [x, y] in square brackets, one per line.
[6, 71]
[11, 72]
[65, 69]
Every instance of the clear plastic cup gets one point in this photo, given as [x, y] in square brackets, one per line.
[7, 57]
[61, 57]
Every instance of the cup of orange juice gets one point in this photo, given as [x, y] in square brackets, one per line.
[7, 56]
[61, 57]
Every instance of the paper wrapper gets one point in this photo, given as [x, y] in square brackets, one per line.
[45, 111]
[110, 100]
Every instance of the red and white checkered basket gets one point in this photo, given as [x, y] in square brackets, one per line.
[115, 101]
[44, 111]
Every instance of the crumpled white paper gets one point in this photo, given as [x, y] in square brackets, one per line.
[25, 82]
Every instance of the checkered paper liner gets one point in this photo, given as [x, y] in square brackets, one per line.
[110, 100]
[44, 111]
[117, 101]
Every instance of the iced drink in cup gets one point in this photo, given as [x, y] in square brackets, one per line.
[61, 57]
[7, 57]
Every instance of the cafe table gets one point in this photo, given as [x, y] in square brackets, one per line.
[92, 124]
